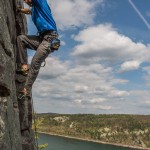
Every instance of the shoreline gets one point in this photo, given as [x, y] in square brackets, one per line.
[94, 141]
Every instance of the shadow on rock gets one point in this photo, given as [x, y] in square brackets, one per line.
[4, 91]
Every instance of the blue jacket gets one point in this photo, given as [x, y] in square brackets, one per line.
[42, 16]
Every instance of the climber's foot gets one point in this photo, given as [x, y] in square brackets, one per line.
[24, 91]
[23, 69]
[22, 94]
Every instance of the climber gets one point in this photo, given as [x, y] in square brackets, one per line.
[46, 42]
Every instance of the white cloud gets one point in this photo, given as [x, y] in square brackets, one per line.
[71, 13]
[86, 89]
[81, 89]
[81, 86]
[130, 65]
[104, 107]
[104, 43]
[77, 101]
[141, 95]
[92, 104]
[118, 94]
[97, 100]
[147, 102]
[54, 68]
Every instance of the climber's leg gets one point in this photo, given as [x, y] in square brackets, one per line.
[40, 55]
[24, 42]
[42, 52]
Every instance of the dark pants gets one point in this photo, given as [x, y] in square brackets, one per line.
[42, 46]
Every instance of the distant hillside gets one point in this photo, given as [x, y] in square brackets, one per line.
[132, 130]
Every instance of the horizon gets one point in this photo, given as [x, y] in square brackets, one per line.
[51, 113]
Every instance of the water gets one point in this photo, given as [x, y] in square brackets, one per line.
[61, 143]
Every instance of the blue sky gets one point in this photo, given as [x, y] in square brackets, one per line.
[103, 64]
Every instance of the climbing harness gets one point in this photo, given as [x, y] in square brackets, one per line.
[55, 44]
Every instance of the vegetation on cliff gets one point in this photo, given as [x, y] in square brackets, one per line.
[132, 130]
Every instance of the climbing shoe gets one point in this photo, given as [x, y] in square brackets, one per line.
[23, 94]
[55, 44]
[24, 69]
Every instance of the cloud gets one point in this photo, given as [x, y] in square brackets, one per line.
[141, 96]
[78, 86]
[74, 13]
[92, 104]
[85, 89]
[103, 43]
[81, 89]
[130, 65]
[104, 107]
[56, 68]
[147, 102]
[97, 100]
[100, 107]
[77, 101]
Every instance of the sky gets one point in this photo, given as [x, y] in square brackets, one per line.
[103, 64]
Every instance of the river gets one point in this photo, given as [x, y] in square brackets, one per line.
[61, 143]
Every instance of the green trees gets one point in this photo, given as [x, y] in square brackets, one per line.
[122, 129]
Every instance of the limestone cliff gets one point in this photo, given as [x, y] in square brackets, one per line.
[14, 134]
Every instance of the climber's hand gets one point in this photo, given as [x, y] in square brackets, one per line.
[24, 10]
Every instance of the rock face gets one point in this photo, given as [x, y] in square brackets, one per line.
[12, 134]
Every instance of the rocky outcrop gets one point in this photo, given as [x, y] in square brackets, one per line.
[12, 134]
